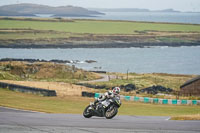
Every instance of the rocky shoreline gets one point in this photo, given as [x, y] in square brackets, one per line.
[101, 45]
[42, 60]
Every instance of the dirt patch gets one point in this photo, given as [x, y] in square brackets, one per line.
[62, 89]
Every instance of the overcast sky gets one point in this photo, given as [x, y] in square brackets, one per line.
[181, 5]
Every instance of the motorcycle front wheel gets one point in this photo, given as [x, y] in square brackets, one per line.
[87, 113]
[110, 113]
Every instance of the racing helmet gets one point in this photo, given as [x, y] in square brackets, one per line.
[116, 90]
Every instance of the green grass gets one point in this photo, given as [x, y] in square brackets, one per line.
[8, 76]
[174, 39]
[18, 35]
[42, 104]
[76, 105]
[132, 108]
[98, 27]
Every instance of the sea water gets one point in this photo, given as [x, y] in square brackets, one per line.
[176, 60]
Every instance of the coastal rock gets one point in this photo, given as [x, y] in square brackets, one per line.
[90, 61]
[42, 60]
[60, 61]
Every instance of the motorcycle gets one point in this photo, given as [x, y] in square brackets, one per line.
[107, 108]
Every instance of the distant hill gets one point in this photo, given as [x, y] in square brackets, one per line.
[32, 9]
[120, 9]
[166, 10]
[11, 13]
[131, 10]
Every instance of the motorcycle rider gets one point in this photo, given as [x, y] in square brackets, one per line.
[110, 94]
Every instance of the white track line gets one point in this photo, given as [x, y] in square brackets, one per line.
[168, 119]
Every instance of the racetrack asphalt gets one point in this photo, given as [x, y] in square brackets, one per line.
[19, 121]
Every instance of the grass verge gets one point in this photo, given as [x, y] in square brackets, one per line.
[32, 102]
[76, 105]
[187, 117]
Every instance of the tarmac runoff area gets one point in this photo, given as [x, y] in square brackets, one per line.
[19, 121]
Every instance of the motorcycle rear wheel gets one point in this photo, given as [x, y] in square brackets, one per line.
[87, 113]
[111, 113]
